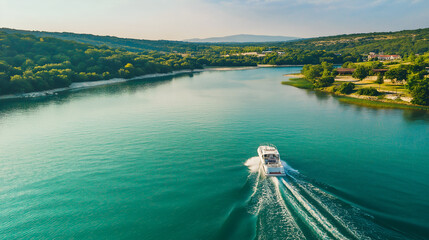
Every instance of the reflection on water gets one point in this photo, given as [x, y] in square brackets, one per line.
[416, 115]
[64, 97]
[409, 115]
[322, 96]
[118, 162]
[134, 86]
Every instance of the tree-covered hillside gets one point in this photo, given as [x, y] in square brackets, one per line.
[403, 42]
[133, 45]
[29, 63]
[33, 62]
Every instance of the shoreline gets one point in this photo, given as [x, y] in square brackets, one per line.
[90, 84]
[362, 100]
[284, 65]
[294, 75]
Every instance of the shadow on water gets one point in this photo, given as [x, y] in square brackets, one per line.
[409, 115]
[416, 115]
[130, 87]
[321, 96]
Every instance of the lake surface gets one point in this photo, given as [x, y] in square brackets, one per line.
[174, 158]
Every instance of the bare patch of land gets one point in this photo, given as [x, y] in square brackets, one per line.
[294, 75]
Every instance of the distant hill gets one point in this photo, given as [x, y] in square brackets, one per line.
[242, 38]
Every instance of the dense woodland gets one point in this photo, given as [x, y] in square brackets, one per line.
[29, 63]
[34, 61]
[403, 42]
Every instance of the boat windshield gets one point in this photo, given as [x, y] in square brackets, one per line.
[271, 158]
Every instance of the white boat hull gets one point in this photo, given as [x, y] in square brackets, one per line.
[277, 170]
[274, 171]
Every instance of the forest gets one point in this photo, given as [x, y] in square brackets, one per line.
[29, 63]
[34, 61]
[404, 42]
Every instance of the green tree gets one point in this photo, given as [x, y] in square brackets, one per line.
[420, 93]
[396, 74]
[380, 79]
[376, 65]
[311, 72]
[360, 72]
[348, 65]
[346, 88]
[324, 82]
[368, 91]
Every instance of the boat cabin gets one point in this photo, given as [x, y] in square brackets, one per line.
[271, 158]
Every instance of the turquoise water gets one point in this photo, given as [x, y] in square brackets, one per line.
[173, 158]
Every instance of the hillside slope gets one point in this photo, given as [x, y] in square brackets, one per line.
[401, 42]
[134, 45]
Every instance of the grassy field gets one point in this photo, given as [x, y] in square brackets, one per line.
[299, 83]
[387, 86]
[379, 104]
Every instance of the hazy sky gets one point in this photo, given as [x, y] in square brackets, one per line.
[182, 19]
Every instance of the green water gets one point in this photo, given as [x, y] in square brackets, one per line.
[165, 159]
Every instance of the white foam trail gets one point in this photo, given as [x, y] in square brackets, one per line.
[253, 164]
[310, 221]
[255, 187]
[288, 168]
[340, 221]
[285, 210]
[268, 204]
[313, 212]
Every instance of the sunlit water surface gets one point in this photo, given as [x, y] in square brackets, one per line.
[173, 158]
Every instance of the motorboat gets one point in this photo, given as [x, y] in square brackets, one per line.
[270, 160]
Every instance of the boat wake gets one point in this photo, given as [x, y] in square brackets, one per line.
[296, 207]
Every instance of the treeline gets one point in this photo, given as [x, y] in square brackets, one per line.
[133, 45]
[33, 63]
[232, 56]
[405, 43]
[29, 63]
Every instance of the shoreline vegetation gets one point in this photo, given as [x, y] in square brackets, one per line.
[393, 82]
[298, 81]
[90, 84]
[36, 64]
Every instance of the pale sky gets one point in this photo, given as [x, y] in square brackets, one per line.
[178, 20]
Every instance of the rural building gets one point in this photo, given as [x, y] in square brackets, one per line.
[383, 57]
